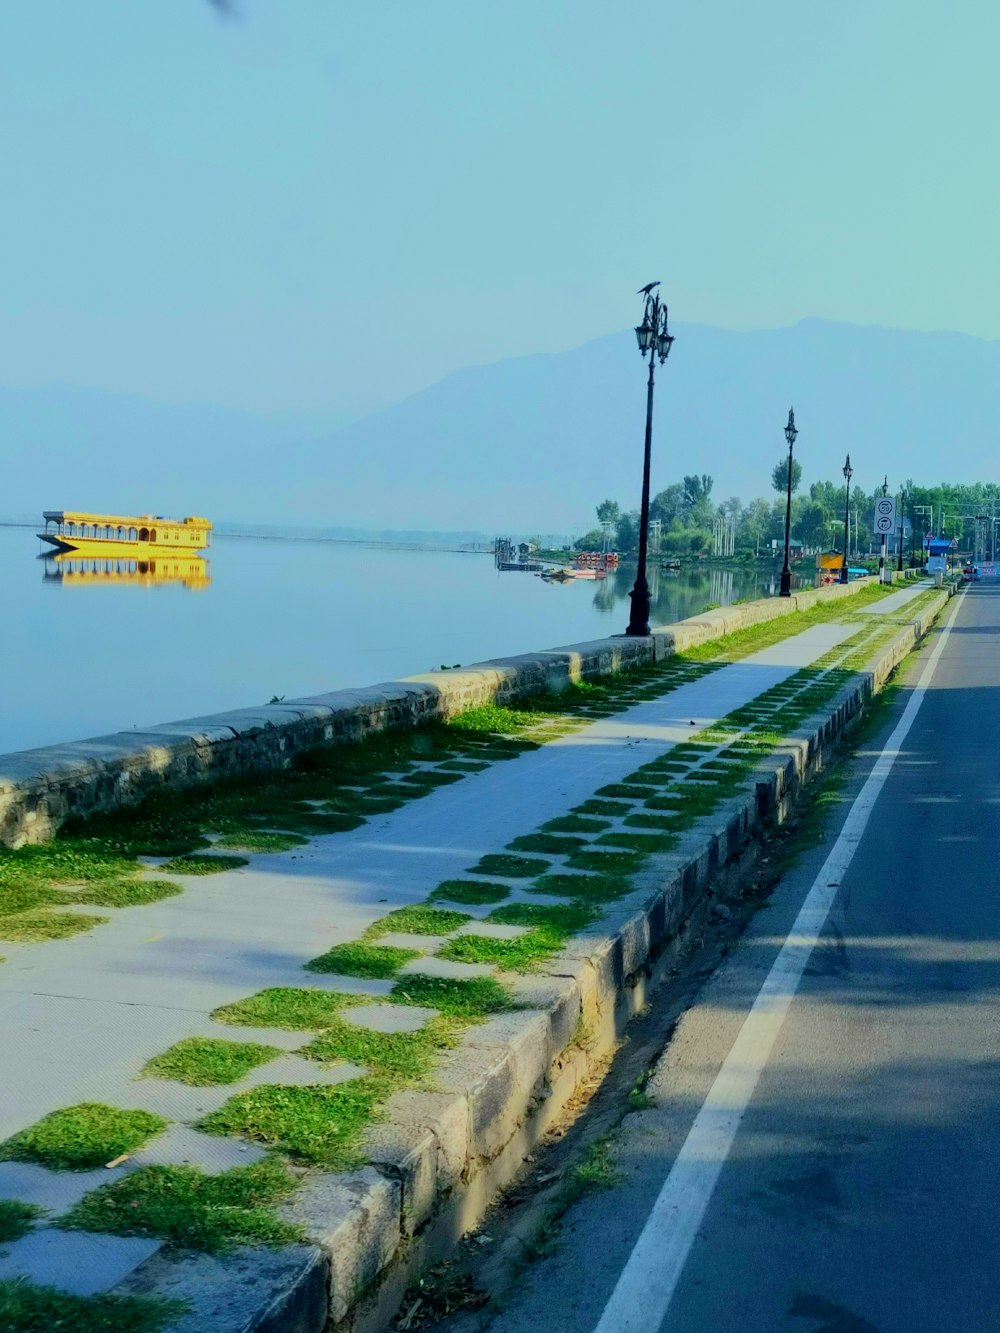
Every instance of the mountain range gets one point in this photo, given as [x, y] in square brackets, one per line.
[529, 443]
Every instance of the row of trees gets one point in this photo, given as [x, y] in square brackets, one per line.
[685, 513]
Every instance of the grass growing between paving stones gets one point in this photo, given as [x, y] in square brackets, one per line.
[203, 865]
[374, 961]
[80, 1138]
[16, 1219]
[469, 891]
[260, 841]
[27, 1308]
[418, 920]
[205, 1062]
[521, 954]
[508, 867]
[325, 1125]
[191, 1210]
[290, 1007]
[317, 1125]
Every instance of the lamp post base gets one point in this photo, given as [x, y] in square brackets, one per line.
[843, 574]
[638, 625]
[785, 590]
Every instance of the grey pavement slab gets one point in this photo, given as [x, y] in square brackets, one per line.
[55, 1191]
[180, 1145]
[79, 1017]
[492, 930]
[896, 601]
[390, 1017]
[78, 1262]
[444, 967]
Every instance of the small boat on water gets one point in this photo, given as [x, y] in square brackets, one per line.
[114, 534]
[673, 564]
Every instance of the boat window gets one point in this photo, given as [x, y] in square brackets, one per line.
[144, 534]
[132, 535]
[152, 535]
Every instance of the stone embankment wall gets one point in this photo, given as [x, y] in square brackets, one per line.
[41, 789]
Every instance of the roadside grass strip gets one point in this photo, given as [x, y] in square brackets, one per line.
[80, 1138]
[28, 1308]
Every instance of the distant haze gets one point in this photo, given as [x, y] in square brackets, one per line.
[531, 443]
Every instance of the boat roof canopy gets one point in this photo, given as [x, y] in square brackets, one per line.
[120, 520]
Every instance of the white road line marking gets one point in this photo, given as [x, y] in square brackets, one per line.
[642, 1296]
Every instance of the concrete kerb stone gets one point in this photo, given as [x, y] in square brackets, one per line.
[40, 789]
[355, 1219]
[433, 1145]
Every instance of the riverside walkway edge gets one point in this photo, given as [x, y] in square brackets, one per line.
[377, 1227]
[40, 789]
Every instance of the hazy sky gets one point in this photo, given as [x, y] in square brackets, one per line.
[335, 203]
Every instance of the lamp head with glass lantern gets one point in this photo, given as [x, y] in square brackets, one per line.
[652, 334]
[848, 470]
[790, 432]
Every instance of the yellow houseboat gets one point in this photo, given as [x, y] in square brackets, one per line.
[113, 534]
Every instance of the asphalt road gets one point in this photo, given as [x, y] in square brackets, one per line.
[832, 1163]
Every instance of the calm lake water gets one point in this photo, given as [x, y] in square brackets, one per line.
[85, 656]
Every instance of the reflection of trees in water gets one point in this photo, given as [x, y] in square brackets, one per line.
[677, 595]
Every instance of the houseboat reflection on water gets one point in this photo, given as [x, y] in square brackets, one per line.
[76, 571]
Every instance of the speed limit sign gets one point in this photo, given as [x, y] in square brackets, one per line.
[885, 516]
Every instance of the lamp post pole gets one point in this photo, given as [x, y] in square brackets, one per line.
[653, 337]
[881, 554]
[848, 474]
[786, 574]
[902, 525]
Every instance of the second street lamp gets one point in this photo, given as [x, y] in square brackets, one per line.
[902, 525]
[653, 337]
[848, 474]
[786, 574]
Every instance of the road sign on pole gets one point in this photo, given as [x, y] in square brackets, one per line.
[885, 516]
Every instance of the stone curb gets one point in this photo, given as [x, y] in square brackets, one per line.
[40, 789]
[439, 1158]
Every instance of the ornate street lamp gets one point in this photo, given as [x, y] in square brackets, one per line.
[786, 574]
[653, 337]
[902, 525]
[848, 474]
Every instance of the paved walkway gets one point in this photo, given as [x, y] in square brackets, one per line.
[80, 1017]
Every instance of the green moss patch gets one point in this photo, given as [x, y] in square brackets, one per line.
[604, 808]
[626, 790]
[576, 824]
[203, 865]
[516, 955]
[566, 917]
[16, 1219]
[584, 888]
[668, 823]
[606, 863]
[469, 998]
[375, 961]
[320, 1125]
[418, 920]
[261, 840]
[126, 892]
[206, 1062]
[404, 1057]
[470, 891]
[27, 1308]
[550, 843]
[187, 1208]
[34, 927]
[639, 842]
[509, 867]
[80, 1138]
[290, 1007]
